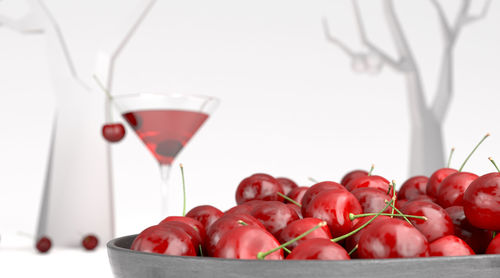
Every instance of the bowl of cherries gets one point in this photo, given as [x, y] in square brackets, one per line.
[442, 225]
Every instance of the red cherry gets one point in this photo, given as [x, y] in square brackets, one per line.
[246, 242]
[315, 190]
[353, 175]
[258, 187]
[197, 226]
[167, 239]
[244, 208]
[318, 249]
[481, 202]
[494, 246]
[297, 194]
[413, 187]
[194, 235]
[435, 181]
[286, 184]
[334, 207]
[438, 223]
[296, 208]
[450, 246]
[371, 199]
[113, 132]
[206, 214]
[227, 223]
[478, 239]
[352, 241]
[90, 242]
[298, 227]
[43, 244]
[452, 189]
[274, 215]
[392, 238]
[377, 182]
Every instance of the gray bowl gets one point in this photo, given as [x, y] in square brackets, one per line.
[126, 263]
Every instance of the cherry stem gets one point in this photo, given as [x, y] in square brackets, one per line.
[241, 222]
[183, 191]
[478, 144]
[354, 216]
[201, 250]
[494, 164]
[287, 250]
[449, 157]
[353, 250]
[103, 88]
[262, 255]
[289, 199]
[362, 226]
[401, 214]
[371, 170]
[494, 234]
[393, 196]
[312, 179]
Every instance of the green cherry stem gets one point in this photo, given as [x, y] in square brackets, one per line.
[401, 214]
[353, 250]
[449, 157]
[262, 255]
[475, 148]
[362, 226]
[242, 223]
[371, 170]
[289, 199]
[312, 179]
[393, 205]
[494, 164]
[201, 250]
[494, 234]
[183, 191]
[354, 216]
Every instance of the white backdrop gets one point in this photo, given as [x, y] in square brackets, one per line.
[291, 106]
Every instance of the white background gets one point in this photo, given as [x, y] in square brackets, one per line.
[291, 106]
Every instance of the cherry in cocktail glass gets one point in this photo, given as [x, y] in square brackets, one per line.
[165, 123]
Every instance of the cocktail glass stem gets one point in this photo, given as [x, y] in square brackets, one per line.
[166, 196]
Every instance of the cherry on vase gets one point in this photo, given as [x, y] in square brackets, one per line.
[113, 132]
[43, 244]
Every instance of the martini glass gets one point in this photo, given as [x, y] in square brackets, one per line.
[165, 123]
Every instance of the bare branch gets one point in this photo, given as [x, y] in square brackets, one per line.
[334, 40]
[481, 15]
[445, 26]
[364, 39]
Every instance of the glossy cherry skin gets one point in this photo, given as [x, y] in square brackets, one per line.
[438, 223]
[298, 227]
[452, 189]
[90, 242]
[258, 187]
[274, 215]
[318, 249]
[377, 182]
[450, 246]
[353, 240]
[246, 242]
[244, 208]
[371, 199]
[205, 214]
[167, 240]
[224, 224]
[435, 180]
[198, 227]
[477, 238]
[353, 175]
[296, 208]
[113, 132]
[315, 190]
[482, 202]
[196, 240]
[334, 207]
[297, 194]
[494, 246]
[286, 184]
[392, 238]
[43, 245]
[413, 187]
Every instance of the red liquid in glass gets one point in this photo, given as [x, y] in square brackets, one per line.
[165, 132]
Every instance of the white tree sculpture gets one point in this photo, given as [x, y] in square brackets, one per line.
[78, 196]
[427, 151]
